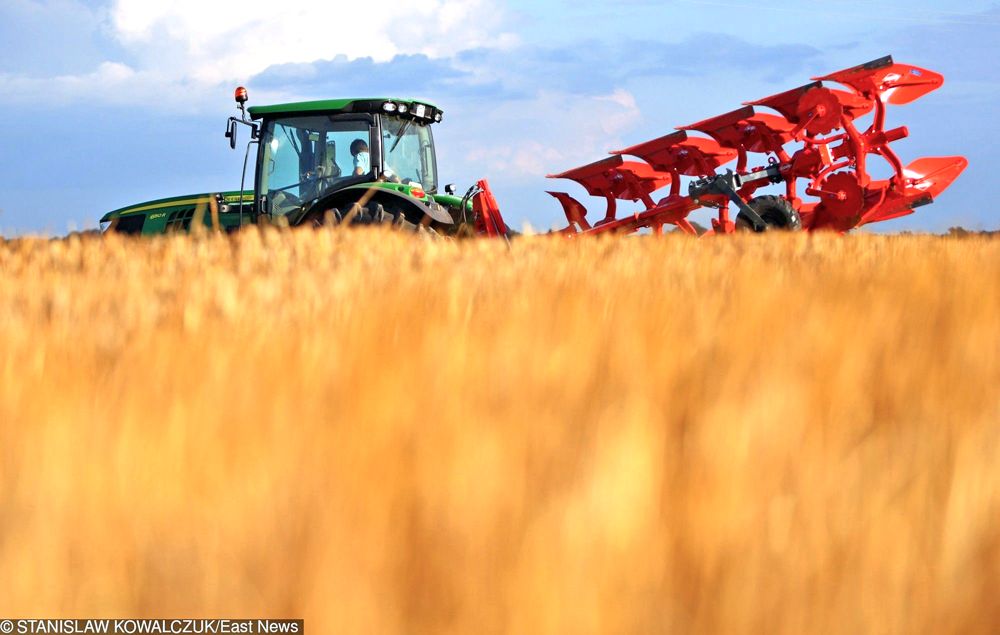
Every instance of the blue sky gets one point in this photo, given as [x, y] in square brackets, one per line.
[108, 103]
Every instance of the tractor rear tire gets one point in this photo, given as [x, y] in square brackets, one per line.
[777, 212]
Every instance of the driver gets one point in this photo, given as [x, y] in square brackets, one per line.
[362, 159]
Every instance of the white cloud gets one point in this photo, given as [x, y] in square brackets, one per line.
[550, 132]
[186, 54]
[515, 143]
[115, 84]
[106, 80]
[214, 42]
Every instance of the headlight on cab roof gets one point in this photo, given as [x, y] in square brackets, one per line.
[389, 106]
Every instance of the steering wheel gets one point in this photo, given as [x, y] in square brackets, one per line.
[283, 202]
[390, 176]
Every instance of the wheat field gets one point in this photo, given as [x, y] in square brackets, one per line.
[380, 434]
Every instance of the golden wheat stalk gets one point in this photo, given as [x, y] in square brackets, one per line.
[756, 434]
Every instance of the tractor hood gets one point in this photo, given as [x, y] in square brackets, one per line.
[167, 205]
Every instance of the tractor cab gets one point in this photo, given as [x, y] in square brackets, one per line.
[356, 160]
[308, 152]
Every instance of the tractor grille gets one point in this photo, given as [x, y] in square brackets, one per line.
[180, 220]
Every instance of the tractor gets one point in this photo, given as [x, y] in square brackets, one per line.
[356, 161]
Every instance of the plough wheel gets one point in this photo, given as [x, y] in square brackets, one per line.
[776, 211]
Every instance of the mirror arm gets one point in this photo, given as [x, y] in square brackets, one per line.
[231, 130]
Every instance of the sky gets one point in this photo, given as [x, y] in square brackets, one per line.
[106, 103]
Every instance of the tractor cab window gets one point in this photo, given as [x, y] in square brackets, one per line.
[306, 157]
[408, 152]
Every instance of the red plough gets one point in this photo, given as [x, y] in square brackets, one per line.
[815, 149]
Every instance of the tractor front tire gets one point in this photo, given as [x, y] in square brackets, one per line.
[777, 212]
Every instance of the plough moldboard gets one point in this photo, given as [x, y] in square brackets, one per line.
[815, 150]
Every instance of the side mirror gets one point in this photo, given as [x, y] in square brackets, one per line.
[231, 134]
[450, 189]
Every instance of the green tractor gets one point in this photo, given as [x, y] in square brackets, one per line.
[357, 161]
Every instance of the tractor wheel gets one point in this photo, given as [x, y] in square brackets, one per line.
[777, 212]
[368, 215]
[375, 207]
[373, 215]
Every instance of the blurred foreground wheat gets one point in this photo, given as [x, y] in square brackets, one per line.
[757, 434]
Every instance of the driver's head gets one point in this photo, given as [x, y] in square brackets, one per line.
[358, 146]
